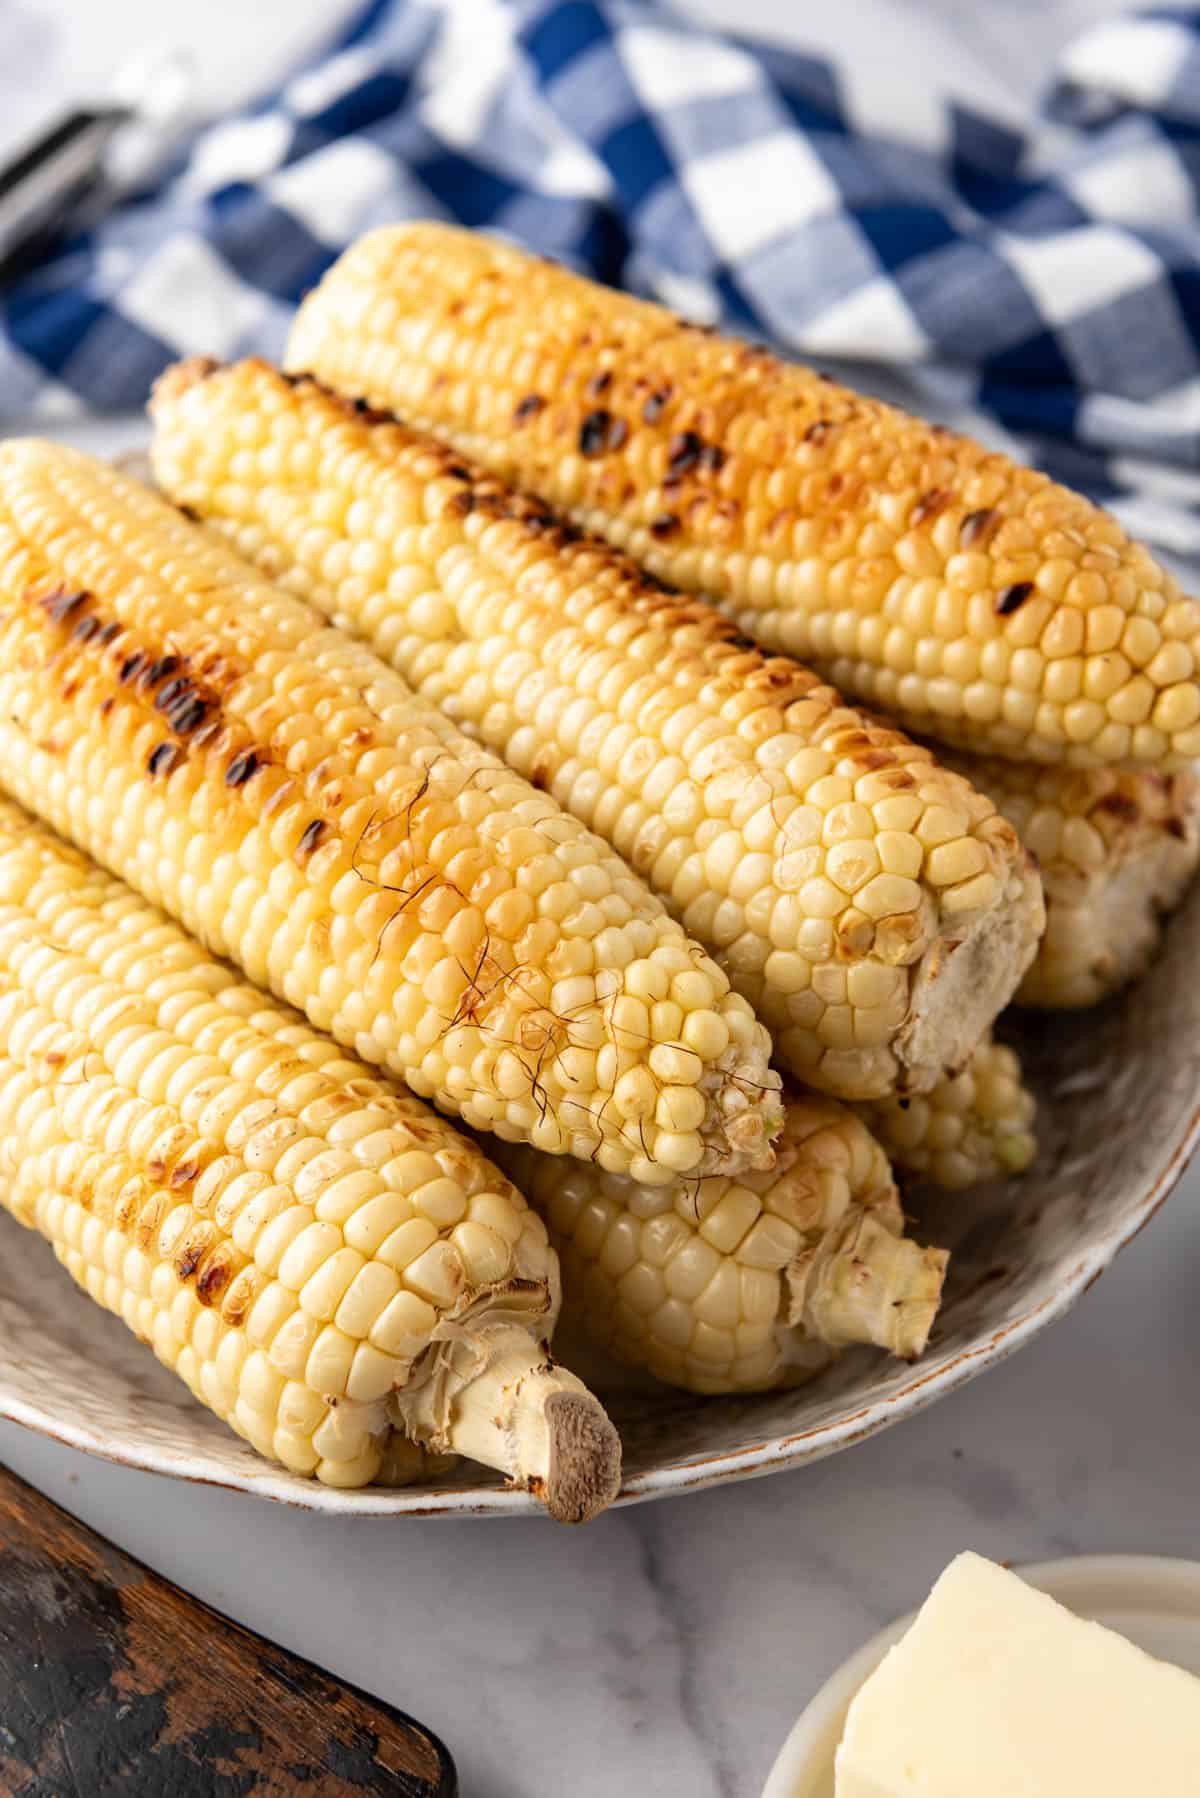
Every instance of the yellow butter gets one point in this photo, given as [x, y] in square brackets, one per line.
[999, 1692]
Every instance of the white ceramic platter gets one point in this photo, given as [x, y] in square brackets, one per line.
[1156, 1603]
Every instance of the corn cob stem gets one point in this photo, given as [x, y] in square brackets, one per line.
[876, 911]
[276, 787]
[972, 598]
[1116, 849]
[972, 1126]
[300, 1242]
[861, 1283]
[499, 1399]
[742, 1284]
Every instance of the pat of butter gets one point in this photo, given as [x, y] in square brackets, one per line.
[998, 1692]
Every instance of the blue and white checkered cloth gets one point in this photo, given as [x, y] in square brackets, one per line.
[1045, 278]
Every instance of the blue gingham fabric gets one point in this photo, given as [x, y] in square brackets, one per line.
[1042, 274]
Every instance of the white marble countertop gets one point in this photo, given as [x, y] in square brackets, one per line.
[664, 1651]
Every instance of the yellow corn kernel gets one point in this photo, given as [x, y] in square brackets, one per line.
[973, 1126]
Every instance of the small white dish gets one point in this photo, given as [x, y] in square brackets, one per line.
[1153, 1601]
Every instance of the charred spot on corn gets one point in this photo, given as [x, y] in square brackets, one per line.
[528, 408]
[601, 432]
[655, 403]
[188, 1260]
[243, 767]
[977, 527]
[684, 452]
[1122, 806]
[62, 603]
[311, 837]
[163, 758]
[214, 1277]
[369, 414]
[929, 505]
[1013, 598]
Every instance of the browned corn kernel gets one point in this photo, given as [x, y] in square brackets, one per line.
[874, 909]
[748, 1283]
[275, 786]
[974, 599]
[326, 1263]
[973, 1126]
[1116, 848]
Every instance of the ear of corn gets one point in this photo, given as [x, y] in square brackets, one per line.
[972, 598]
[1116, 849]
[972, 1126]
[328, 1265]
[748, 1283]
[274, 786]
[875, 910]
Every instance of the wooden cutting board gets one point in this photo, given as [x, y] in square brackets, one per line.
[113, 1681]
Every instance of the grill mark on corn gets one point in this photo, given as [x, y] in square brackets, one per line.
[600, 432]
[151, 679]
[62, 602]
[163, 758]
[214, 1277]
[976, 527]
[929, 505]
[1013, 598]
[1124, 808]
[188, 1260]
[655, 403]
[243, 767]
[684, 452]
[528, 408]
[312, 837]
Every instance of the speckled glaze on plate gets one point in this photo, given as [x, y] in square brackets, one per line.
[1120, 1112]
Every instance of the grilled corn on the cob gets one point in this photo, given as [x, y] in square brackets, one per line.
[975, 1125]
[1116, 848]
[974, 599]
[326, 1263]
[280, 790]
[747, 1283]
[875, 910]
